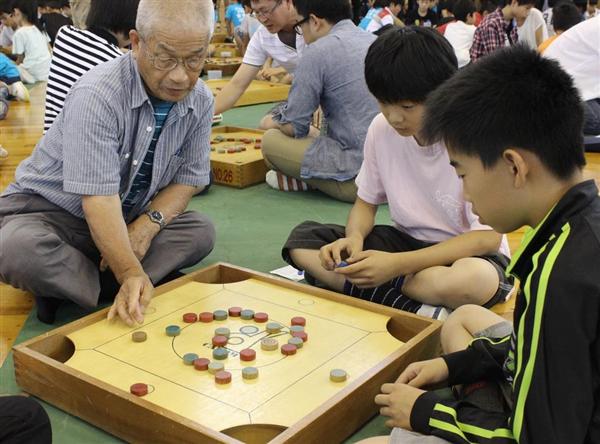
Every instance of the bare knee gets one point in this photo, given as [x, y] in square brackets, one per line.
[467, 281]
[462, 325]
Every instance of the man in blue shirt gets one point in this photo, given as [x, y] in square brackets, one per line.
[108, 185]
[330, 75]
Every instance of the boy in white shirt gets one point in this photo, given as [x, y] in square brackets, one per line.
[437, 253]
[460, 33]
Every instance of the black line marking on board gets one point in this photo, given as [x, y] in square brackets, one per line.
[313, 370]
[172, 382]
[160, 318]
[307, 313]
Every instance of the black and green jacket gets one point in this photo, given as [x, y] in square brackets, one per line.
[553, 362]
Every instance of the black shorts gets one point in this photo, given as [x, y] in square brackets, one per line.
[312, 235]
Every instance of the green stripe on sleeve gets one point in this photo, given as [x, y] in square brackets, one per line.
[460, 427]
[519, 411]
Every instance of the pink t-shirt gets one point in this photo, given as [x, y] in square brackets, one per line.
[422, 189]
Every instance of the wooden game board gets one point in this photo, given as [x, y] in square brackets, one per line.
[224, 50]
[258, 92]
[227, 65]
[87, 367]
[239, 169]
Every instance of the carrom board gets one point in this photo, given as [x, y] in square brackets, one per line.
[227, 65]
[87, 367]
[237, 169]
[224, 50]
[258, 91]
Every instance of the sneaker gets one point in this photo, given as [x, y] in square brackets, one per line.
[19, 91]
[281, 182]
[439, 313]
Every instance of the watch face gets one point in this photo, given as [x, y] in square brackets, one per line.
[156, 215]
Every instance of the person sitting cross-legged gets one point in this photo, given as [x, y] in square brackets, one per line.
[330, 75]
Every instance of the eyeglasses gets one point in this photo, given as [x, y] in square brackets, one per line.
[268, 12]
[192, 63]
[298, 26]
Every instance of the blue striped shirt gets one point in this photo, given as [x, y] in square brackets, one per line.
[143, 177]
[98, 142]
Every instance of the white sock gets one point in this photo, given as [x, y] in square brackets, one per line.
[434, 312]
[280, 181]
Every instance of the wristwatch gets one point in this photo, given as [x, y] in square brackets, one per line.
[157, 217]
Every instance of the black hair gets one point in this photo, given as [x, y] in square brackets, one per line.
[448, 5]
[381, 3]
[53, 4]
[513, 97]
[565, 16]
[462, 9]
[408, 63]
[113, 15]
[29, 8]
[333, 11]
[6, 6]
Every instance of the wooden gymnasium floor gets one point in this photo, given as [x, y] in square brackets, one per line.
[241, 216]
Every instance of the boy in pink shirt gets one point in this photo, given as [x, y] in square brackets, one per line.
[437, 254]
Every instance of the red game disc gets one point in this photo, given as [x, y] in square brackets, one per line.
[206, 316]
[222, 377]
[247, 354]
[139, 389]
[235, 311]
[190, 318]
[288, 349]
[261, 317]
[300, 334]
[219, 341]
[201, 363]
[298, 320]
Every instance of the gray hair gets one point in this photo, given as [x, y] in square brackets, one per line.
[195, 14]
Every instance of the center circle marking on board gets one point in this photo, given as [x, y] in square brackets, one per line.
[306, 302]
[249, 329]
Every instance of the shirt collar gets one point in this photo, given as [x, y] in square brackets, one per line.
[573, 202]
[341, 25]
[139, 96]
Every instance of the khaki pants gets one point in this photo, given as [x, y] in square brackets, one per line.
[49, 252]
[285, 154]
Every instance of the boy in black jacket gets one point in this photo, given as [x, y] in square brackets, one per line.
[513, 127]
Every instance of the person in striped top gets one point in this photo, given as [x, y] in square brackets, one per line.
[76, 51]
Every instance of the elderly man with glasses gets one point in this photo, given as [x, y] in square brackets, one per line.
[275, 39]
[100, 204]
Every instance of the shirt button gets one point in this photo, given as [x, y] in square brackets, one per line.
[149, 129]
[135, 162]
[127, 156]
